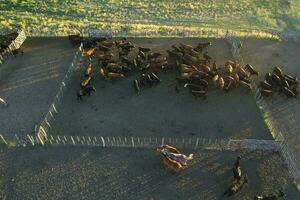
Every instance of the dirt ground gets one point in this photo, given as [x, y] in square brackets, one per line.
[29, 83]
[265, 55]
[93, 173]
[116, 110]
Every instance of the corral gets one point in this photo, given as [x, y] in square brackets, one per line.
[116, 110]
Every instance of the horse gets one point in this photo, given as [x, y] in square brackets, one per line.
[236, 169]
[236, 186]
[85, 91]
[173, 159]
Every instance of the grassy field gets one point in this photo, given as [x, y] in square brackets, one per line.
[155, 18]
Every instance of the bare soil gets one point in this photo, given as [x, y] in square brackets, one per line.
[92, 173]
[29, 83]
[116, 110]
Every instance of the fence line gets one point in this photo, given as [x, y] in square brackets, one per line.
[15, 44]
[148, 142]
[43, 129]
[290, 160]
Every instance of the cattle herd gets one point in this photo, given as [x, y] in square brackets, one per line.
[277, 81]
[196, 68]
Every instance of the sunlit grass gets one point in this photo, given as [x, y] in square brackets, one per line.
[65, 16]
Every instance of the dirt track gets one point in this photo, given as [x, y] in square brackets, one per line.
[83, 173]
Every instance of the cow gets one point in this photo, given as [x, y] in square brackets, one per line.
[251, 70]
[136, 86]
[85, 91]
[112, 75]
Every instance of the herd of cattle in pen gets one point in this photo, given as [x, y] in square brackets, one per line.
[176, 161]
[197, 70]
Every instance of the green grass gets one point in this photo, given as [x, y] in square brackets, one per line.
[157, 18]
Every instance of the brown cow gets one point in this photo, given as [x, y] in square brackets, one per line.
[112, 75]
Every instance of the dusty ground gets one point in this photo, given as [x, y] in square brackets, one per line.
[115, 109]
[29, 83]
[265, 55]
[86, 173]
[83, 173]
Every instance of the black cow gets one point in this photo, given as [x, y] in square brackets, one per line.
[85, 91]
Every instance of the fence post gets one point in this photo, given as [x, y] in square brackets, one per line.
[3, 139]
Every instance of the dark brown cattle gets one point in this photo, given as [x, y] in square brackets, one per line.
[136, 86]
[142, 55]
[276, 80]
[206, 56]
[231, 79]
[243, 78]
[199, 81]
[190, 60]
[242, 72]
[248, 86]
[250, 69]
[285, 83]
[201, 74]
[145, 67]
[186, 46]
[112, 75]
[228, 85]
[268, 78]
[176, 48]
[199, 93]
[290, 79]
[85, 91]
[125, 60]
[202, 46]
[289, 93]
[108, 43]
[154, 77]
[144, 49]
[204, 68]
[193, 86]
[265, 85]
[265, 92]
[102, 47]
[278, 72]
[294, 89]
[175, 54]
[154, 55]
